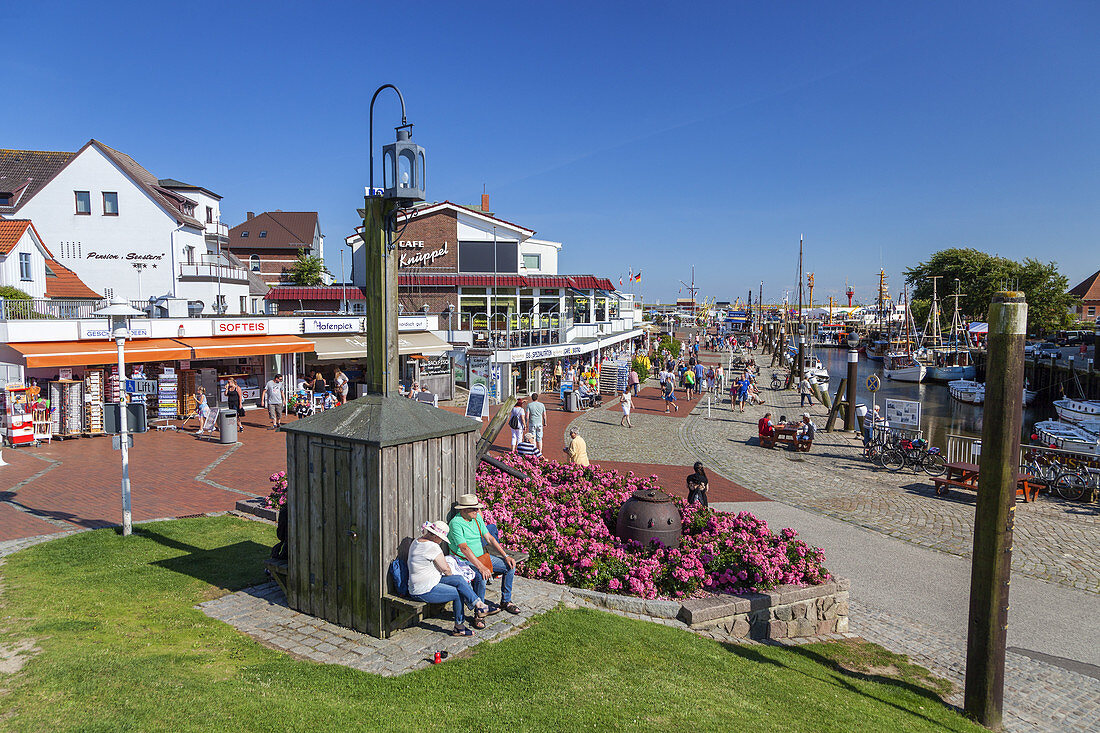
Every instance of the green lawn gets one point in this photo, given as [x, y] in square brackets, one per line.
[122, 648]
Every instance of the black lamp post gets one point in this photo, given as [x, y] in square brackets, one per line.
[853, 369]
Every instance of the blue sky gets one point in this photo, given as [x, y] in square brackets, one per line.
[650, 136]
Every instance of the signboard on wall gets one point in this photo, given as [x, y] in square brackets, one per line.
[100, 328]
[332, 325]
[412, 323]
[240, 328]
[478, 367]
[903, 413]
[435, 366]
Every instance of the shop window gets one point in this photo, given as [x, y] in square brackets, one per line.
[358, 308]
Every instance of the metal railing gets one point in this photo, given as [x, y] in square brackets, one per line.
[28, 309]
[227, 273]
[965, 449]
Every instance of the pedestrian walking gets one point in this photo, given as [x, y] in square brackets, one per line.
[272, 399]
[743, 392]
[234, 397]
[633, 381]
[805, 392]
[577, 450]
[670, 396]
[202, 408]
[536, 417]
[517, 421]
[627, 404]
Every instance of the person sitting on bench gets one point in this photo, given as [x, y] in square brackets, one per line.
[468, 536]
[764, 426]
[433, 580]
[806, 429]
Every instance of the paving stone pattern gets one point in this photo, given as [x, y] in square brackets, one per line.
[1038, 696]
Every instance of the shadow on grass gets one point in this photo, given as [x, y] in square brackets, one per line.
[228, 567]
[843, 677]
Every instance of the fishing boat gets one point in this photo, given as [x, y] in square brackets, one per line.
[1076, 411]
[903, 367]
[973, 393]
[950, 361]
[812, 367]
[1068, 436]
[900, 364]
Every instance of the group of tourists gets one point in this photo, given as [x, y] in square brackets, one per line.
[459, 575]
[527, 423]
[805, 428]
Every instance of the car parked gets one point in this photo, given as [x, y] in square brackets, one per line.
[1048, 350]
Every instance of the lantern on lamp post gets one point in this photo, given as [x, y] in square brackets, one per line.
[120, 312]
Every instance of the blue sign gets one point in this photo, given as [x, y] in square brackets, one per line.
[141, 386]
[873, 383]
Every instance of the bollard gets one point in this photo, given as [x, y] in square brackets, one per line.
[853, 366]
[995, 512]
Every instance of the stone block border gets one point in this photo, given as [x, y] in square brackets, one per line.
[788, 612]
[256, 508]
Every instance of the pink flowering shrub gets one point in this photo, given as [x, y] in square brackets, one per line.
[562, 513]
[277, 497]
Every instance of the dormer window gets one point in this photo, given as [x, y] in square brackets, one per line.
[6, 198]
[263, 234]
[244, 235]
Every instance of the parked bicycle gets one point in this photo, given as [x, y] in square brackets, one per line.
[779, 380]
[1075, 485]
[914, 454]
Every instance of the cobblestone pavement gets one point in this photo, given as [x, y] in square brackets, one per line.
[1054, 540]
[1038, 696]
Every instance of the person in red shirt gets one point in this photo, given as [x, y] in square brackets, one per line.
[764, 425]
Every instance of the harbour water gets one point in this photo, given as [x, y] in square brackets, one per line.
[940, 413]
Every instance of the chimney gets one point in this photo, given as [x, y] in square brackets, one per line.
[484, 202]
[249, 215]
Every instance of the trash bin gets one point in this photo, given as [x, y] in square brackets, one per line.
[573, 399]
[227, 427]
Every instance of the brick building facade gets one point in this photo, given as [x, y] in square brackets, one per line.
[269, 243]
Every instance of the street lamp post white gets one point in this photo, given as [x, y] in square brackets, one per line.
[119, 311]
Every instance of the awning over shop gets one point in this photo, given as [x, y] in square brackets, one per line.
[422, 342]
[339, 347]
[210, 347]
[91, 353]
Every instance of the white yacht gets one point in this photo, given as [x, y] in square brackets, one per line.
[1077, 410]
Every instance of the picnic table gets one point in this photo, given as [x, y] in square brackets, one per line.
[965, 476]
[787, 435]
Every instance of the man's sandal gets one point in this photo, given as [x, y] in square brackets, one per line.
[461, 632]
[510, 607]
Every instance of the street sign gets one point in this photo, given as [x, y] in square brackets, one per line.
[141, 386]
[873, 383]
[116, 441]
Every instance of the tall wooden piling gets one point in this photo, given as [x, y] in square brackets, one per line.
[995, 512]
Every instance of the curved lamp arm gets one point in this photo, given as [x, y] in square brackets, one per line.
[370, 123]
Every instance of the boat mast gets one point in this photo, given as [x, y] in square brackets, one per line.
[799, 280]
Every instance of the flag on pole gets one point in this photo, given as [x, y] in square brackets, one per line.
[620, 281]
[638, 277]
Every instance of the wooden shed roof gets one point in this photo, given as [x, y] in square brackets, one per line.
[383, 421]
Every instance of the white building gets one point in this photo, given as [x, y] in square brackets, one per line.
[126, 233]
[28, 265]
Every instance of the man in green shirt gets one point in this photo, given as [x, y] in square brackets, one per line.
[468, 537]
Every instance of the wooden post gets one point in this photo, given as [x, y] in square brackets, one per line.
[381, 270]
[995, 512]
[848, 409]
[853, 366]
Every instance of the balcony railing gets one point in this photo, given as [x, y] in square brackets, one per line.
[29, 309]
[227, 273]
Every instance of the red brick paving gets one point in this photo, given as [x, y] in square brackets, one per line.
[673, 481]
[651, 401]
[16, 524]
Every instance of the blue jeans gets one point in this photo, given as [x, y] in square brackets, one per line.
[499, 566]
[454, 589]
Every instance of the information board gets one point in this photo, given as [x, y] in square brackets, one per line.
[477, 406]
[903, 413]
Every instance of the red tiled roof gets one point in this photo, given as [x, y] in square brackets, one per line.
[11, 231]
[61, 282]
[1089, 289]
[335, 292]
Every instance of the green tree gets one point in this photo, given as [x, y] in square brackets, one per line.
[672, 345]
[980, 275]
[11, 292]
[308, 269]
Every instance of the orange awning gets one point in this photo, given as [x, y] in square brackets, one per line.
[94, 353]
[210, 347]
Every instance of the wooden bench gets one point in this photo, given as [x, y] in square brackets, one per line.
[278, 570]
[787, 437]
[965, 476]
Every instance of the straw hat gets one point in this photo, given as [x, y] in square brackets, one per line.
[468, 501]
[439, 529]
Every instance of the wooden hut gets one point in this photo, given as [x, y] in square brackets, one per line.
[362, 478]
